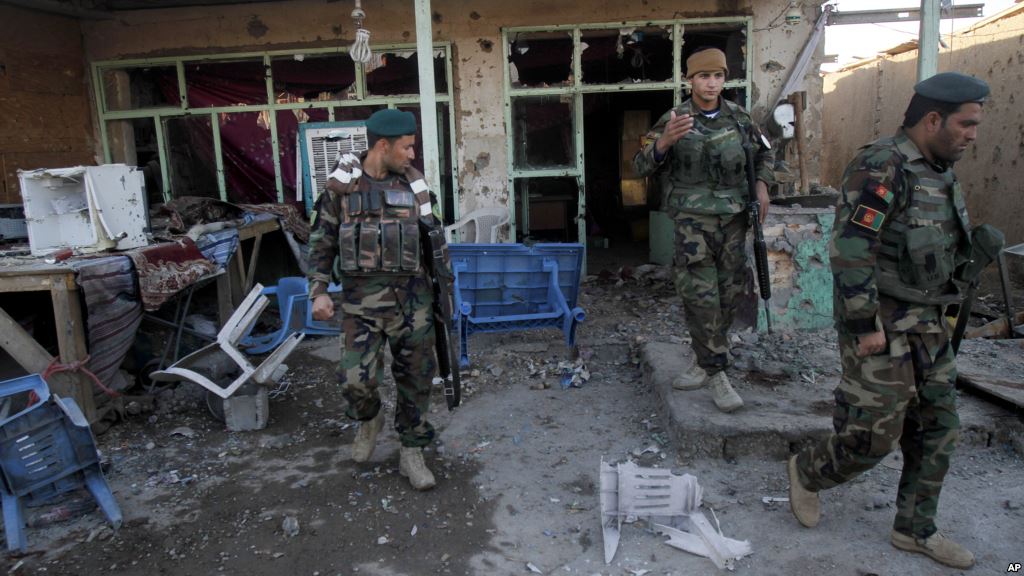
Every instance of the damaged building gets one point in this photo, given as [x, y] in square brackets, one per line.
[539, 109]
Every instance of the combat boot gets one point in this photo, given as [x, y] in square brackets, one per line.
[806, 505]
[937, 547]
[725, 397]
[692, 379]
[412, 466]
[366, 437]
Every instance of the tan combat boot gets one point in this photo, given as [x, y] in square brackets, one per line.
[937, 547]
[412, 466]
[366, 437]
[692, 379]
[806, 505]
[725, 397]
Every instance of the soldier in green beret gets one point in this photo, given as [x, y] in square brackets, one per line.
[698, 146]
[901, 247]
[365, 234]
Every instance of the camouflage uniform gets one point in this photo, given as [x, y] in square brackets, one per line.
[707, 196]
[900, 236]
[378, 308]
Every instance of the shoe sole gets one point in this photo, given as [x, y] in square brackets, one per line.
[793, 479]
[906, 547]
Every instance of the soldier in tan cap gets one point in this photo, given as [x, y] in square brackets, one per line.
[700, 145]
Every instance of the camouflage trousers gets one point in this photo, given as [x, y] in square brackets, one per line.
[904, 396]
[397, 313]
[710, 272]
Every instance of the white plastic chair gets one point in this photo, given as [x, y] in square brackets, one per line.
[479, 226]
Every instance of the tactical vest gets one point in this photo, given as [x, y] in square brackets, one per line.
[379, 232]
[709, 162]
[926, 238]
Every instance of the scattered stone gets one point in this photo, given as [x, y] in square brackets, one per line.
[290, 526]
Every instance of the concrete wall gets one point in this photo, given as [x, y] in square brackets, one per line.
[474, 28]
[868, 101]
[45, 119]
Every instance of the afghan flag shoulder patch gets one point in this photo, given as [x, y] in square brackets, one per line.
[884, 193]
[868, 218]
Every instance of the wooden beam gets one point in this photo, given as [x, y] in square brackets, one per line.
[34, 359]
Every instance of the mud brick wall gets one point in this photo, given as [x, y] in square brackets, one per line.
[44, 104]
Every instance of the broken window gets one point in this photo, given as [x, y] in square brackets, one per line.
[397, 72]
[190, 156]
[626, 55]
[542, 129]
[540, 59]
[315, 78]
[248, 157]
[133, 142]
[141, 88]
[288, 122]
[547, 207]
[211, 84]
[730, 38]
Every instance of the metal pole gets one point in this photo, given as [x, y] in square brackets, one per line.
[428, 95]
[928, 40]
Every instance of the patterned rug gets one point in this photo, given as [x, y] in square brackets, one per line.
[166, 269]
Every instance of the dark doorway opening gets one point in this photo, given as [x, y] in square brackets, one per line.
[619, 202]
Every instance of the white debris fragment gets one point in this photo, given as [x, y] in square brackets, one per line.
[530, 566]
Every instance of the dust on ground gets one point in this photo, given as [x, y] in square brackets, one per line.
[517, 470]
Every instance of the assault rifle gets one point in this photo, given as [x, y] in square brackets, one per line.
[434, 251]
[754, 207]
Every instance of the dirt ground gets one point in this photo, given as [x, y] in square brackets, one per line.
[517, 469]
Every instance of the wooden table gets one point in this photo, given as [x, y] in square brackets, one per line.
[233, 286]
[59, 281]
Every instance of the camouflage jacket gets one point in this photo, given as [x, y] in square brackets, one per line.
[901, 231]
[347, 177]
[705, 171]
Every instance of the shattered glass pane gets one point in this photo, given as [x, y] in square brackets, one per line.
[212, 84]
[141, 88]
[190, 156]
[542, 128]
[553, 204]
[540, 59]
[730, 38]
[397, 72]
[626, 55]
[310, 78]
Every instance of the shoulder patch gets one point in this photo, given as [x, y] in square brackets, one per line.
[880, 191]
[867, 217]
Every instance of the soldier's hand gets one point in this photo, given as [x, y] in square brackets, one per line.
[763, 200]
[870, 343]
[323, 307]
[677, 127]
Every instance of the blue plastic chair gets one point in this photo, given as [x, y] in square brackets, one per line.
[292, 295]
[46, 450]
[506, 287]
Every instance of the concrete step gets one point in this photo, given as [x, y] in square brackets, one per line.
[779, 416]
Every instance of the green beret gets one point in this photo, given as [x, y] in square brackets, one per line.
[391, 122]
[953, 87]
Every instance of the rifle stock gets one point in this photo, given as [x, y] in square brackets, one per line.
[434, 249]
[760, 249]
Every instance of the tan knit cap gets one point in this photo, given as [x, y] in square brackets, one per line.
[710, 60]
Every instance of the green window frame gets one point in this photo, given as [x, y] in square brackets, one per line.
[575, 90]
[362, 98]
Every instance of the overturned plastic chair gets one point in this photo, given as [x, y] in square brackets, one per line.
[46, 449]
[214, 365]
[479, 226]
[292, 294]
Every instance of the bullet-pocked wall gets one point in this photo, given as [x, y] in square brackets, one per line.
[474, 30]
[45, 120]
[866, 102]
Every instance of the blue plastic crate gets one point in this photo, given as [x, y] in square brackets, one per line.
[505, 287]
